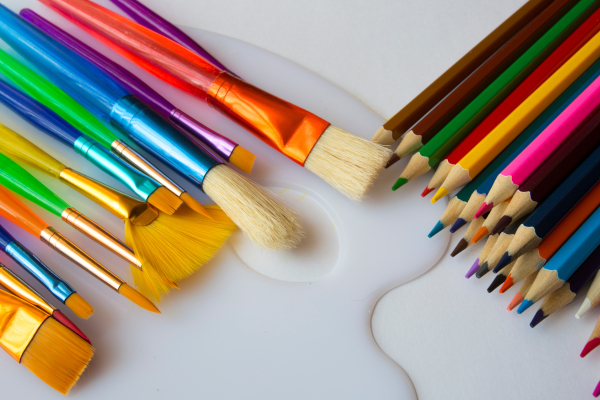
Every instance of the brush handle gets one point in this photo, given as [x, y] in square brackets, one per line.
[215, 141]
[19, 288]
[18, 213]
[5, 238]
[149, 19]
[15, 178]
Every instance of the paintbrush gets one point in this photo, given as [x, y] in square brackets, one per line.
[43, 345]
[267, 223]
[170, 247]
[15, 178]
[19, 288]
[348, 163]
[225, 148]
[60, 289]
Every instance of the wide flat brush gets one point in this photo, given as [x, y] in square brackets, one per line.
[15, 178]
[47, 348]
[267, 223]
[348, 163]
[222, 146]
[19, 288]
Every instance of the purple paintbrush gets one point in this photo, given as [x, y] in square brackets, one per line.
[198, 133]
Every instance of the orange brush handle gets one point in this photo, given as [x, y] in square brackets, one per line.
[15, 211]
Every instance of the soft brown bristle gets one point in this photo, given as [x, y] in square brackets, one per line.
[173, 247]
[165, 200]
[136, 297]
[267, 223]
[194, 204]
[57, 355]
[348, 163]
[242, 158]
[79, 306]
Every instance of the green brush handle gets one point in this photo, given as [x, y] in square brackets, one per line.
[55, 99]
[15, 178]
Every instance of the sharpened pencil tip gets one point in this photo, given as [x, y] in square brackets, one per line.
[524, 306]
[507, 284]
[462, 244]
[504, 261]
[457, 225]
[537, 318]
[485, 207]
[482, 270]
[436, 229]
[498, 280]
[518, 299]
[597, 390]
[427, 191]
[400, 182]
[473, 269]
[439, 194]
[502, 224]
[589, 346]
[585, 306]
[480, 234]
[393, 159]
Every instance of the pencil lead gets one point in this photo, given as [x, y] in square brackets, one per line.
[518, 299]
[436, 229]
[439, 194]
[485, 207]
[589, 346]
[537, 318]
[480, 234]
[597, 390]
[498, 280]
[585, 306]
[482, 270]
[457, 225]
[524, 306]
[502, 224]
[400, 182]
[462, 244]
[427, 191]
[504, 261]
[507, 284]
[473, 269]
[393, 159]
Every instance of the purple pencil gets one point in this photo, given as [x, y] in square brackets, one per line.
[197, 132]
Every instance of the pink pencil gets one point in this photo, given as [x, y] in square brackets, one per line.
[526, 163]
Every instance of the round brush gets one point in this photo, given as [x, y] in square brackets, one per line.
[15, 178]
[268, 223]
[171, 246]
[15, 285]
[348, 163]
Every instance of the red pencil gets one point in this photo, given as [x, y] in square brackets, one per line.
[574, 42]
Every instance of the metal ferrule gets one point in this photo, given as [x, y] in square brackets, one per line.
[140, 184]
[160, 137]
[136, 160]
[65, 247]
[59, 288]
[100, 235]
[198, 132]
[19, 288]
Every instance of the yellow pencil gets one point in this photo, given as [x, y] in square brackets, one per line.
[482, 154]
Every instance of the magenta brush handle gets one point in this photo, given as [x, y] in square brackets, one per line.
[200, 134]
[151, 20]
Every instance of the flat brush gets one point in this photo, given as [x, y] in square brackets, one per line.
[170, 247]
[15, 178]
[267, 223]
[224, 147]
[48, 349]
[34, 266]
[348, 163]
[15, 285]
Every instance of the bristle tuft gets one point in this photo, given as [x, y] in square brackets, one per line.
[165, 200]
[194, 204]
[252, 208]
[348, 163]
[133, 295]
[57, 355]
[242, 158]
[79, 306]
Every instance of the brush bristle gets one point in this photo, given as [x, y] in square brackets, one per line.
[79, 306]
[242, 158]
[194, 204]
[348, 163]
[165, 200]
[57, 355]
[173, 247]
[136, 297]
[149, 283]
[267, 223]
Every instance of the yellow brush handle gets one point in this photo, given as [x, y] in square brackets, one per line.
[17, 147]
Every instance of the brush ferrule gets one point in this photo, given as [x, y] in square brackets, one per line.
[287, 128]
[100, 235]
[19, 288]
[69, 250]
[20, 322]
[160, 137]
[59, 288]
[139, 183]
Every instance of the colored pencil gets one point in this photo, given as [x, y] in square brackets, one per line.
[566, 261]
[451, 213]
[491, 221]
[520, 118]
[467, 119]
[442, 86]
[473, 85]
[594, 340]
[500, 277]
[466, 239]
[492, 259]
[554, 61]
[592, 298]
[522, 292]
[485, 251]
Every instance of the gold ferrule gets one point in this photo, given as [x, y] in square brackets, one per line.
[65, 247]
[19, 288]
[138, 161]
